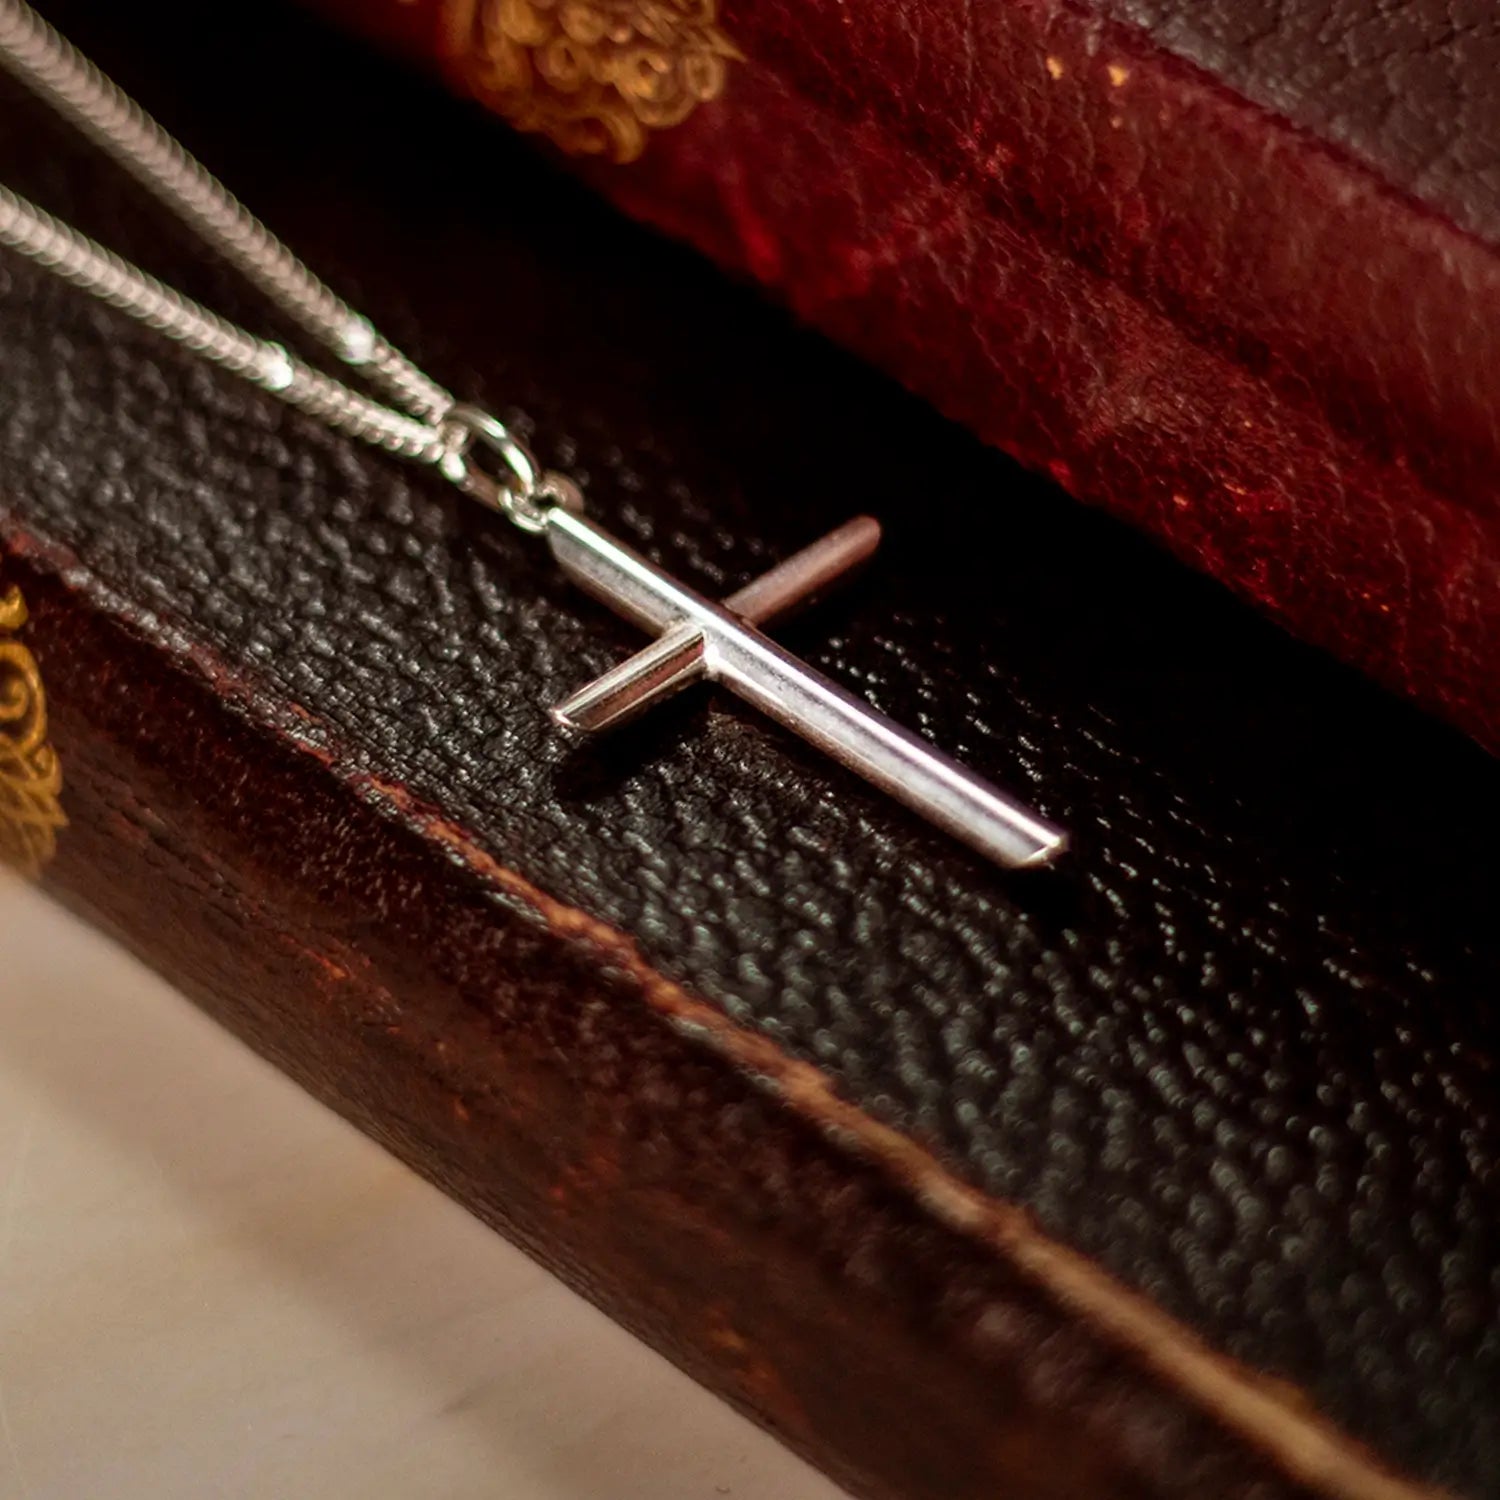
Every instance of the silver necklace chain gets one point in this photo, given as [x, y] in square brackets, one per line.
[425, 423]
[695, 637]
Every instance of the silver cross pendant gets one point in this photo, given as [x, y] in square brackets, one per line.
[698, 639]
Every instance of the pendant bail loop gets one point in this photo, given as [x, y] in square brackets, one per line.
[512, 490]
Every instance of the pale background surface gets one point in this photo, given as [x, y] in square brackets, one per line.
[211, 1286]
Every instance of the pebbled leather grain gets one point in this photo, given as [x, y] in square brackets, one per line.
[1241, 1051]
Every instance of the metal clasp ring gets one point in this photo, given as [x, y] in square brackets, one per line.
[513, 491]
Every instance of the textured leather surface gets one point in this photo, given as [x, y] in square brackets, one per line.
[1240, 1051]
[1172, 289]
[917, 1340]
[1410, 89]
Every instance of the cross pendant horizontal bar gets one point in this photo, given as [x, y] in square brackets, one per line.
[698, 639]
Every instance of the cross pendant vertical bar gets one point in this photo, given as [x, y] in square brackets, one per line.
[698, 639]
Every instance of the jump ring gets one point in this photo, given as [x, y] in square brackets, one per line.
[461, 428]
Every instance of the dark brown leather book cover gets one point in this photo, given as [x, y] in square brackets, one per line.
[1170, 1174]
[1227, 269]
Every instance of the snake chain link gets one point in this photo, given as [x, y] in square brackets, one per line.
[430, 426]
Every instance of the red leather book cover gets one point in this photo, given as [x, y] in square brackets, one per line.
[1224, 270]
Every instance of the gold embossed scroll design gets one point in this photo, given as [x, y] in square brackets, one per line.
[594, 76]
[30, 775]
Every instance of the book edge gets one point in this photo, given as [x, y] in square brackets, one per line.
[1264, 1413]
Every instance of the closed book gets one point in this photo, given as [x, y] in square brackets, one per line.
[1229, 271]
[1168, 1173]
